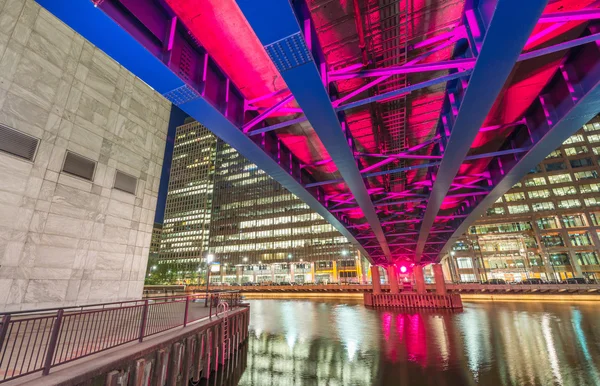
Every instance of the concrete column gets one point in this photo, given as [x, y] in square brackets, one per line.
[392, 279]
[313, 277]
[376, 279]
[272, 267]
[440, 282]
[419, 279]
[292, 272]
[239, 274]
[335, 275]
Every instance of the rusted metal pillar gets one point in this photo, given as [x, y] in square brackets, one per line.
[376, 279]
[440, 282]
[392, 279]
[419, 279]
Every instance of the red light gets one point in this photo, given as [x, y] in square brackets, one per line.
[403, 269]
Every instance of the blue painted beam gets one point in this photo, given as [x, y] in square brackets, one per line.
[138, 56]
[570, 100]
[506, 24]
[289, 39]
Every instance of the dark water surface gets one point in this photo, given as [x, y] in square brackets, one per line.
[305, 342]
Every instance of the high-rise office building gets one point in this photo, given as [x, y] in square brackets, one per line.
[547, 226]
[221, 206]
[186, 227]
[262, 232]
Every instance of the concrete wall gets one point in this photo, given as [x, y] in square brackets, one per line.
[64, 239]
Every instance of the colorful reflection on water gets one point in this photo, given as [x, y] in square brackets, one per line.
[303, 342]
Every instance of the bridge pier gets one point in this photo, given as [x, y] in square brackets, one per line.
[392, 279]
[419, 279]
[440, 282]
[419, 299]
[375, 279]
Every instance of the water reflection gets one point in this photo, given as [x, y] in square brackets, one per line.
[343, 343]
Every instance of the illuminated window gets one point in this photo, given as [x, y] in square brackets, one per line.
[547, 223]
[592, 126]
[559, 259]
[467, 278]
[592, 201]
[545, 193]
[564, 191]
[585, 175]
[516, 209]
[590, 188]
[493, 211]
[510, 197]
[595, 217]
[580, 239]
[596, 150]
[574, 220]
[464, 262]
[541, 206]
[571, 151]
[574, 139]
[554, 154]
[587, 258]
[552, 240]
[594, 138]
[559, 178]
[536, 181]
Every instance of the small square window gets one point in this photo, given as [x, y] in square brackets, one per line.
[125, 182]
[79, 166]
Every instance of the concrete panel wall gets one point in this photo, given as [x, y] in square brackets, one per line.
[66, 240]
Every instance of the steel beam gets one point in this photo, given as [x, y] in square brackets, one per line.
[217, 104]
[505, 36]
[567, 102]
[289, 38]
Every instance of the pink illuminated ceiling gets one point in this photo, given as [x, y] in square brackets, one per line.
[220, 27]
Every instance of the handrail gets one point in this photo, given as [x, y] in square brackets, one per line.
[37, 340]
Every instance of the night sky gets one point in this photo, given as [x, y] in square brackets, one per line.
[176, 119]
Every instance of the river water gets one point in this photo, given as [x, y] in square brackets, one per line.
[307, 342]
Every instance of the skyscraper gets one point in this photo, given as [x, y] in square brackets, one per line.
[186, 227]
[254, 230]
[547, 226]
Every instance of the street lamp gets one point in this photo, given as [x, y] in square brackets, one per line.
[344, 253]
[209, 259]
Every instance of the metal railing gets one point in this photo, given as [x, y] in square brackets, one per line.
[32, 341]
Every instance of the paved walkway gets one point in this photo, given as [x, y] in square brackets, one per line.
[85, 333]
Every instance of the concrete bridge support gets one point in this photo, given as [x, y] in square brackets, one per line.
[419, 279]
[376, 279]
[440, 282]
[392, 279]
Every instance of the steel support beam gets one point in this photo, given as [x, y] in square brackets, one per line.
[567, 102]
[289, 38]
[506, 33]
[217, 104]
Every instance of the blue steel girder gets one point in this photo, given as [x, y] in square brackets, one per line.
[499, 30]
[291, 42]
[567, 102]
[149, 41]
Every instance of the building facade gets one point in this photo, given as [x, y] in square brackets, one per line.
[80, 162]
[252, 229]
[547, 226]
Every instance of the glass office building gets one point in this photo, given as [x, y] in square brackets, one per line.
[186, 227]
[223, 207]
[547, 226]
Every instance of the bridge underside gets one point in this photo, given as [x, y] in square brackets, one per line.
[399, 121]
